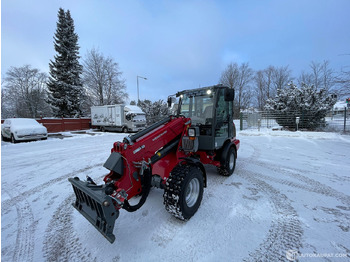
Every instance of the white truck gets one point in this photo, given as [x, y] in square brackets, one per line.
[122, 118]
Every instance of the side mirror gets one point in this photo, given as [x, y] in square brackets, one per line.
[169, 101]
[229, 94]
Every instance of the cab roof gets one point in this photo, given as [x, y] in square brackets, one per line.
[200, 91]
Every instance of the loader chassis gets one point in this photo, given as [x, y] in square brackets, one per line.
[171, 155]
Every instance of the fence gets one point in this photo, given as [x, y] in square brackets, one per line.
[333, 122]
[55, 125]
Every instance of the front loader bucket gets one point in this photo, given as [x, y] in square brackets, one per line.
[97, 207]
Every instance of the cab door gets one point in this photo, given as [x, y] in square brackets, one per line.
[222, 119]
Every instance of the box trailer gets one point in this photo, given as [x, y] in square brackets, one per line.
[122, 118]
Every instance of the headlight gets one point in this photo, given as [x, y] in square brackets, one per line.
[191, 132]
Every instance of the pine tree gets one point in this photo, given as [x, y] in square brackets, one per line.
[65, 85]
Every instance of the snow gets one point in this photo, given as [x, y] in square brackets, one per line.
[25, 123]
[133, 109]
[339, 105]
[290, 191]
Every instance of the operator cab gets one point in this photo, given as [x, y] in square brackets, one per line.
[211, 112]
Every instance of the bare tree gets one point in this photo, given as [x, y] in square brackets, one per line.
[322, 76]
[281, 76]
[239, 78]
[102, 79]
[25, 92]
[343, 83]
[265, 87]
[328, 79]
[260, 88]
[4, 101]
[305, 79]
[316, 74]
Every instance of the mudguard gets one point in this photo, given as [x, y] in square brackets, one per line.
[198, 163]
[225, 150]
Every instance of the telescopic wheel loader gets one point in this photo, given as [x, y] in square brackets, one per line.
[170, 155]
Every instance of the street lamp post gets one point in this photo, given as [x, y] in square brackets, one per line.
[138, 94]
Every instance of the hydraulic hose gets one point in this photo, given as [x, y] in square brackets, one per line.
[146, 187]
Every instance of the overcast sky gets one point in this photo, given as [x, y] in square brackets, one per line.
[181, 44]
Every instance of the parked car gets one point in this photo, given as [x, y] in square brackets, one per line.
[22, 129]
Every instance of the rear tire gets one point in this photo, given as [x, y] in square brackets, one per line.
[184, 191]
[230, 164]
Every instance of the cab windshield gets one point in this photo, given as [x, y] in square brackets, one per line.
[135, 117]
[139, 117]
[198, 108]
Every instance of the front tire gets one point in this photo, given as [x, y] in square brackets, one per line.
[230, 163]
[184, 191]
[125, 129]
[13, 139]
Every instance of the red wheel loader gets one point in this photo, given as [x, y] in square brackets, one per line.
[170, 155]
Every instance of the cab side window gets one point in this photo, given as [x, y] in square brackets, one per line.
[221, 108]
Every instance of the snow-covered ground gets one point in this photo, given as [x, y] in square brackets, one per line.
[289, 192]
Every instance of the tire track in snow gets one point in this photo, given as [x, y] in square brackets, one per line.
[26, 225]
[26, 194]
[167, 231]
[285, 231]
[303, 182]
[201, 242]
[311, 185]
[23, 251]
[61, 242]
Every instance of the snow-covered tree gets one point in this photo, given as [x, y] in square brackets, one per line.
[23, 93]
[308, 103]
[155, 111]
[103, 79]
[65, 85]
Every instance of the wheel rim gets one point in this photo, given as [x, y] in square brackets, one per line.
[232, 161]
[192, 192]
